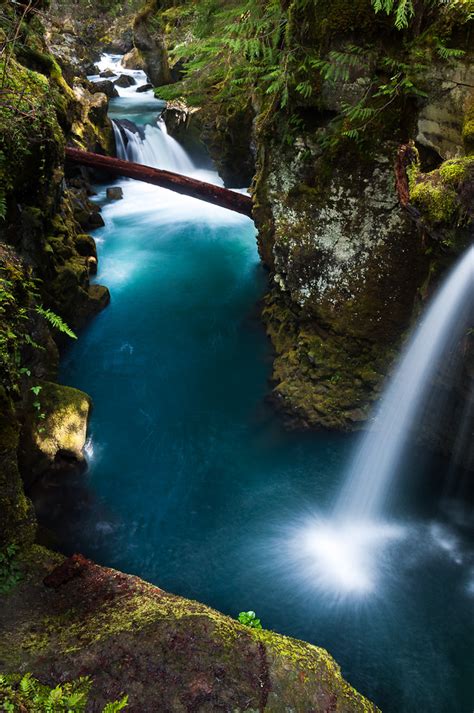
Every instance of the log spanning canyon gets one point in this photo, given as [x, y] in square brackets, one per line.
[222, 197]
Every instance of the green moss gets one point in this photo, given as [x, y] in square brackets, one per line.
[456, 170]
[436, 202]
[438, 194]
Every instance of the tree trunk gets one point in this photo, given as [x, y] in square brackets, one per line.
[165, 179]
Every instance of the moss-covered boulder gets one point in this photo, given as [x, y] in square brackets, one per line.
[70, 618]
[54, 432]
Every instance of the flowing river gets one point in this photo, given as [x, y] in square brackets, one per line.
[194, 485]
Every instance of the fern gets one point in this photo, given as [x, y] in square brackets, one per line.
[55, 321]
[116, 706]
[448, 53]
[25, 693]
[403, 10]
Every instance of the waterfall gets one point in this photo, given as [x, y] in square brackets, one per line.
[120, 148]
[373, 470]
[154, 147]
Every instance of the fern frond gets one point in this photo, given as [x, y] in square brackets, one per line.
[55, 321]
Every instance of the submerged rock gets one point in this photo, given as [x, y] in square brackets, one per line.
[144, 88]
[165, 652]
[114, 193]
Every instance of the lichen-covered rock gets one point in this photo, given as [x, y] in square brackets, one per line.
[54, 432]
[346, 264]
[165, 652]
[92, 129]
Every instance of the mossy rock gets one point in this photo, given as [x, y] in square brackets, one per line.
[165, 652]
[54, 433]
[444, 199]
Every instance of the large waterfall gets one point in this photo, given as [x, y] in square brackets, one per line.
[373, 471]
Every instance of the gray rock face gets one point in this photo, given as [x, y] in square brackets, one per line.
[150, 44]
[133, 60]
[440, 121]
[346, 265]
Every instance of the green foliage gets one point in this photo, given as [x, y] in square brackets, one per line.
[116, 706]
[18, 295]
[278, 54]
[237, 48]
[249, 618]
[403, 10]
[17, 291]
[55, 321]
[9, 571]
[25, 693]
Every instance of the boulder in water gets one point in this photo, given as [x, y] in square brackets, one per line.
[105, 87]
[124, 81]
[90, 69]
[91, 263]
[107, 74]
[114, 193]
[133, 60]
[144, 88]
[85, 245]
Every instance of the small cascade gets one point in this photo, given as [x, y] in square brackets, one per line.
[120, 147]
[373, 470]
[152, 147]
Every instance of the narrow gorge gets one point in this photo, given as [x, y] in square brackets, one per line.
[211, 423]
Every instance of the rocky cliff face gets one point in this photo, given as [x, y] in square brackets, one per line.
[45, 257]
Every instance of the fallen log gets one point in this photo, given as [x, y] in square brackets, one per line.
[222, 197]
